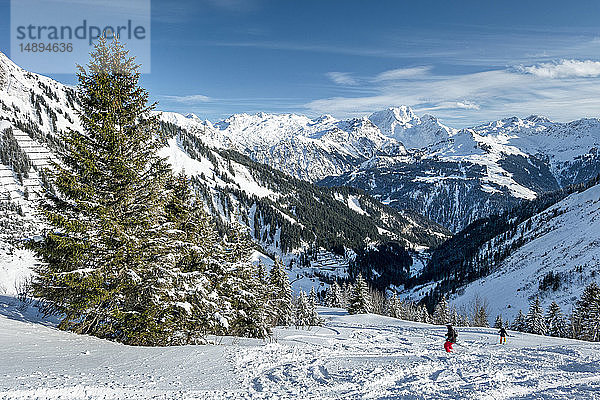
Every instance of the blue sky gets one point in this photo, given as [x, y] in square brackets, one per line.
[462, 61]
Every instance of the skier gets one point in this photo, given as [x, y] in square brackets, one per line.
[503, 335]
[450, 338]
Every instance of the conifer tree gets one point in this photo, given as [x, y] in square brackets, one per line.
[454, 317]
[586, 316]
[360, 299]
[281, 295]
[424, 315]
[440, 313]
[394, 307]
[520, 323]
[498, 323]
[555, 321]
[131, 255]
[480, 314]
[243, 293]
[535, 318]
[201, 262]
[333, 296]
[463, 320]
[302, 313]
[109, 265]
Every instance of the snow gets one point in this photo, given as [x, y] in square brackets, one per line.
[309, 149]
[402, 124]
[563, 240]
[354, 204]
[351, 357]
[15, 268]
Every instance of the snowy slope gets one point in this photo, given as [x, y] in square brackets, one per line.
[302, 147]
[36, 109]
[402, 124]
[563, 240]
[351, 357]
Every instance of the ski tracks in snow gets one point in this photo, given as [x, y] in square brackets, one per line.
[352, 357]
[400, 362]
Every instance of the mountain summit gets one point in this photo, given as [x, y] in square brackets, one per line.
[403, 125]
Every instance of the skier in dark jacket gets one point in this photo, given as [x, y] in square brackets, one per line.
[503, 335]
[450, 338]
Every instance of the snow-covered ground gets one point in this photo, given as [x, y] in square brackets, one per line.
[351, 357]
[563, 240]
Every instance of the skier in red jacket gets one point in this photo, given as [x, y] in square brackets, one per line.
[450, 338]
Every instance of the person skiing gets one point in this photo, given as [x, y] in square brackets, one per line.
[450, 338]
[503, 335]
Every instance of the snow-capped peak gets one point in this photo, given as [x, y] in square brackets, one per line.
[402, 124]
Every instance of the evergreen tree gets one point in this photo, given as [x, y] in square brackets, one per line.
[360, 300]
[109, 261]
[281, 298]
[243, 291]
[302, 314]
[464, 320]
[424, 315]
[201, 262]
[480, 314]
[520, 323]
[586, 316]
[498, 323]
[131, 255]
[441, 314]
[535, 318]
[454, 317]
[333, 296]
[555, 321]
[396, 308]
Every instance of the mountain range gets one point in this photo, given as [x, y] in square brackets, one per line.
[451, 176]
[317, 191]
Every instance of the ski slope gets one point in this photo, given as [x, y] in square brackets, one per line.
[351, 357]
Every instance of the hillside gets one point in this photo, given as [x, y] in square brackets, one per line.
[287, 217]
[409, 162]
[354, 357]
[548, 248]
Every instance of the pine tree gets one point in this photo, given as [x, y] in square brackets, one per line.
[498, 323]
[281, 297]
[131, 255]
[555, 321]
[586, 316]
[480, 314]
[535, 318]
[424, 315]
[243, 292]
[359, 301]
[201, 262]
[302, 314]
[463, 320]
[333, 296]
[440, 313]
[394, 307]
[520, 323]
[454, 317]
[109, 260]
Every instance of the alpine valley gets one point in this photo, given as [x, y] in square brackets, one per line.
[417, 207]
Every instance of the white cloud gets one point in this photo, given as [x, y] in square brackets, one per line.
[564, 69]
[191, 99]
[467, 105]
[470, 98]
[402, 73]
[342, 78]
